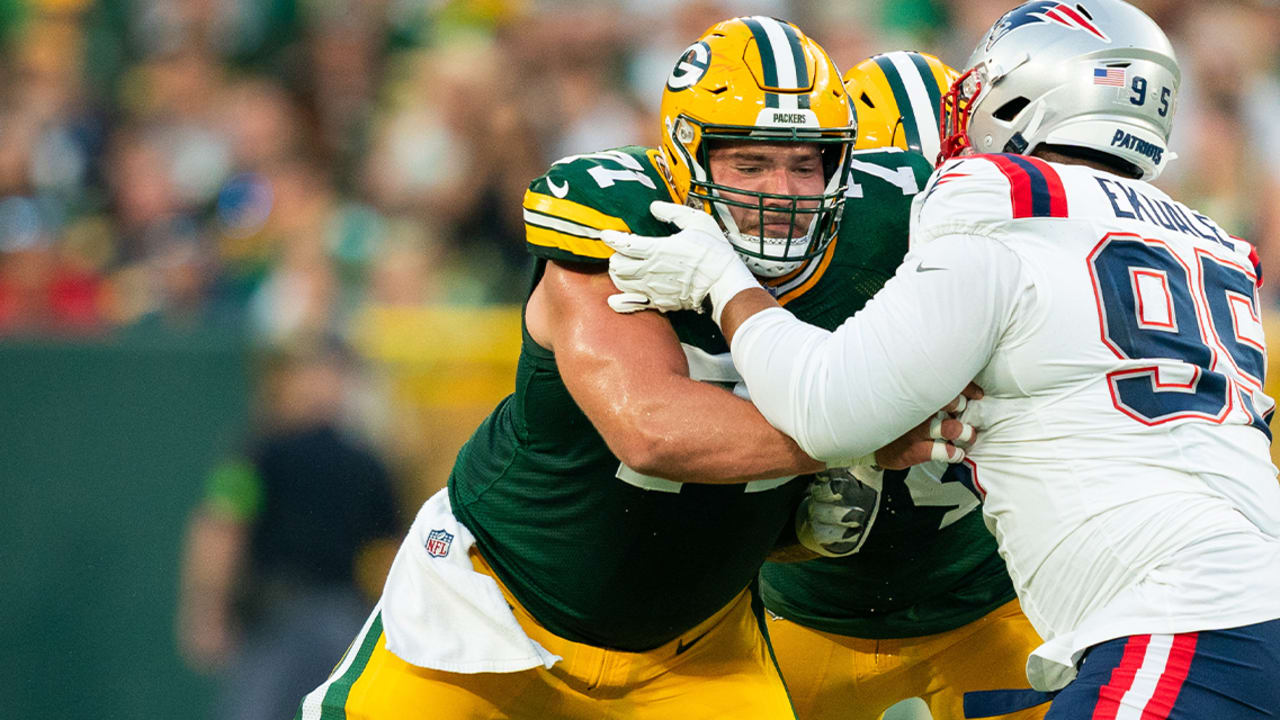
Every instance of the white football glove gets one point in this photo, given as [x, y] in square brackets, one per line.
[678, 271]
[835, 516]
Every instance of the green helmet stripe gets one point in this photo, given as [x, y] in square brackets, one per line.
[765, 47]
[930, 84]
[902, 100]
[782, 60]
[797, 55]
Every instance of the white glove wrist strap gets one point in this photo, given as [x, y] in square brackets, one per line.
[735, 278]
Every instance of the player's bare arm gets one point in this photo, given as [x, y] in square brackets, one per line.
[654, 418]
[682, 270]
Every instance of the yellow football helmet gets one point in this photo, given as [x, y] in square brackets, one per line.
[759, 79]
[897, 96]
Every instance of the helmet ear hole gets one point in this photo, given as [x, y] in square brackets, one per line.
[1008, 111]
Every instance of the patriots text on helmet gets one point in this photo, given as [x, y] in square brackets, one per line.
[1127, 141]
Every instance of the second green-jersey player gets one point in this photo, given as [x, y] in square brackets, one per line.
[929, 564]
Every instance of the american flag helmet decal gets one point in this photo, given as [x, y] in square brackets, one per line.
[1109, 76]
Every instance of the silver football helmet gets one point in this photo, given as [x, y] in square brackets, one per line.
[1096, 76]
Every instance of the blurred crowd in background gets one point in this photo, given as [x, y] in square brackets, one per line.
[290, 164]
[353, 169]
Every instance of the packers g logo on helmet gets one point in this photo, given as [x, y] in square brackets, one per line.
[691, 67]
[758, 79]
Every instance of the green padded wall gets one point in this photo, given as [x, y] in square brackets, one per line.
[104, 446]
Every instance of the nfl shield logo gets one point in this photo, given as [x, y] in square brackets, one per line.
[438, 542]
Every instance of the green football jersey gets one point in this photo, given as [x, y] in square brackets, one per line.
[929, 564]
[597, 552]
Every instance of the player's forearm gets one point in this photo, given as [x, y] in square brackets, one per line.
[910, 351]
[776, 367]
[777, 356]
[699, 433]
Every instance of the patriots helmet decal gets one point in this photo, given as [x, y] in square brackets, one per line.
[1049, 11]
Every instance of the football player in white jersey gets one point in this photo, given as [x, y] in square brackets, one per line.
[1124, 460]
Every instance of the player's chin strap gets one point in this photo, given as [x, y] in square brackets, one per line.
[991, 703]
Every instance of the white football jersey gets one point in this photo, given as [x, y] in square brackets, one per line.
[1123, 454]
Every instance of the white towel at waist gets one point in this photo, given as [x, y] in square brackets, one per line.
[439, 613]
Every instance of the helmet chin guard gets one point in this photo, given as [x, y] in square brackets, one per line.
[770, 268]
[766, 256]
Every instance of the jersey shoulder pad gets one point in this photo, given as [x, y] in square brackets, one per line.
[566, 208]
[970, 194]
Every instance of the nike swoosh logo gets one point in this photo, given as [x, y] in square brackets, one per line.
[681, 646]
[922, 268]
[558, 190]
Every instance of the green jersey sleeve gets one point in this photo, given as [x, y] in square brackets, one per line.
[888, 173]
[566, 208]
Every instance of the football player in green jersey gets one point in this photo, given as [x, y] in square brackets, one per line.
[924, 608]
[594, 553]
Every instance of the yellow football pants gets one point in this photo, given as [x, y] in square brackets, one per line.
[833, 677]
[721, 668]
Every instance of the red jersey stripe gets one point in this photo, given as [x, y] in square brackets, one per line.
[1019, 185]
[1253, 258]
[1057, 193]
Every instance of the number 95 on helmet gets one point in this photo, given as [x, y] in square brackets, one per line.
[759, 80]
